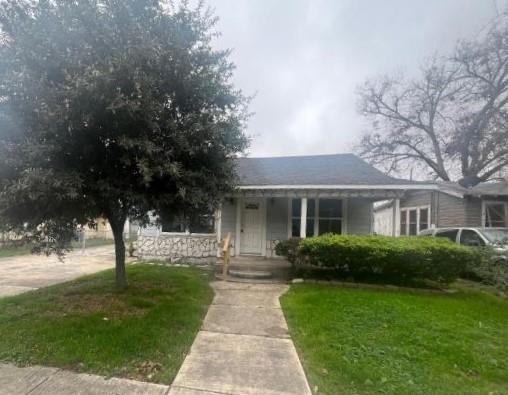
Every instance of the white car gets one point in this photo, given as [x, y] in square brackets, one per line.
[497, 238]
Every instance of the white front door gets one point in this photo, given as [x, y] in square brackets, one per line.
[251, 226]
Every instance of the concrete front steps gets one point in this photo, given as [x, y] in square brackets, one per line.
[253, 273]
[250, 276]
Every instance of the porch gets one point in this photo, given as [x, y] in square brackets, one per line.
[258, 218]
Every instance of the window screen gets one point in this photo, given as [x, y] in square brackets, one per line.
[330, 216]
[495, 215]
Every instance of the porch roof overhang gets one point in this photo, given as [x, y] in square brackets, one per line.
[375, 192]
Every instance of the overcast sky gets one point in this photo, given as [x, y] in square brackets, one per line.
[304, 59]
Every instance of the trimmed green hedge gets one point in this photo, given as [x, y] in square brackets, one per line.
[404, 258]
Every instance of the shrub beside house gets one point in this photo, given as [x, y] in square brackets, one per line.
[380, 258]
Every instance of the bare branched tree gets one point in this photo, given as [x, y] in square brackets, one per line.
[451, 121]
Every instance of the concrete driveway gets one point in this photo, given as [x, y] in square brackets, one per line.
[23, 273]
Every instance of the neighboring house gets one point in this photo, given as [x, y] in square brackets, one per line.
[449, 205]
[102, 230]
[279, 198]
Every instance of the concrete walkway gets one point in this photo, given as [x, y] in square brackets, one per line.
[243, 348]
[41, 381]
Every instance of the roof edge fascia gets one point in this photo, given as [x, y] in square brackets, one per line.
[344, 186]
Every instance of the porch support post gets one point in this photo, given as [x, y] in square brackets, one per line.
[238, 229]
[316, 216]
[303, 219]
[396, 218]
[265, 223]
[290, 217]
[218, 229]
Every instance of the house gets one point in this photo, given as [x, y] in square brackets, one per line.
[278, 198]
[448, 205]
[102, 230]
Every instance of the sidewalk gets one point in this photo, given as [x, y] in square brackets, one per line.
[243, 348]
[39, 380]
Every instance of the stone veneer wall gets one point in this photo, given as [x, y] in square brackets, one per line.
[178, 248]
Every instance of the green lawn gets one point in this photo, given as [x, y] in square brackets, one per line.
[84, 325]
[25, 249]
[15, 250]
[359, 341]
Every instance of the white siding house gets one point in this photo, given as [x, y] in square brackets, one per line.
[283, 197]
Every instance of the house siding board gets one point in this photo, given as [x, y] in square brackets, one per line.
[446, 210]
[277, 219]
[455, 211]
[359, 216]
[418, 199]
[473, 212]
[423, 198]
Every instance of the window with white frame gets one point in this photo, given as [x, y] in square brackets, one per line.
[495, 214]
[296, 213]
[323, 216]
[330, 216]
[413, 220]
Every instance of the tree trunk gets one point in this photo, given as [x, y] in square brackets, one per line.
[117, 225]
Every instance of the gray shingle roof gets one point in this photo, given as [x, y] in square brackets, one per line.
[452, 188]
[338, 169]
[490, 188]
[482, 189]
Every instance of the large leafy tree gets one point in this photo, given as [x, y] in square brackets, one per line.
[451, 121]
[112, 108]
